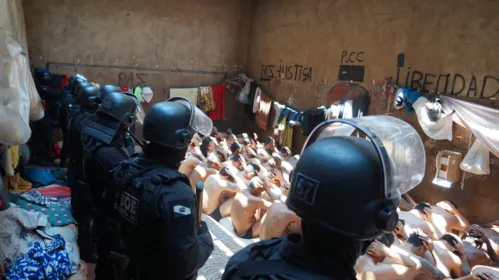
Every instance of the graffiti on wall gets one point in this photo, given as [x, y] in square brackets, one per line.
[447, 83]
[294, 72]
[132, 79]
[453, 84]
[351, 66]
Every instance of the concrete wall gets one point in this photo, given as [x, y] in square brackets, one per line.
[442, 41]
[159, 43]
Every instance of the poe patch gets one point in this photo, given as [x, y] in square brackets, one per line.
[181, 211]
[305, 188]
[128, 208]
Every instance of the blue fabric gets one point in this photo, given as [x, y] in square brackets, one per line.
[51, 263]
[409, 98]
[36, 197]
[293, 117]
[38, 177]
[58, 213]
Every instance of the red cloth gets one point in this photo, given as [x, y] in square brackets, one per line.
[262, 115]
[124, 88]
[219, 97]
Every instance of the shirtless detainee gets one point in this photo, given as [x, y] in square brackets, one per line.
[385, 262]
[446, 217]
[420, 218]
[235, 161]
[214, 187]
[479, 248]
[265, 153]
[245, 211]
[279, 221]
[450, 257]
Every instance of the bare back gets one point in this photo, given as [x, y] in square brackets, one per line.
[214, 187]
[279, 221]
[413, 222]
[243, 211]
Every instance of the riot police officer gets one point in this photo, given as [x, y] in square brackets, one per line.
[80, 197]
[346, 190]
[67, 107]
[103, 149]
[155, 203]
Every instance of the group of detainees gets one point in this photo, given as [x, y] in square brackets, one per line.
[246, 186]
[246, 183]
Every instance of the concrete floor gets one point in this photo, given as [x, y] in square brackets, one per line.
[226, 244]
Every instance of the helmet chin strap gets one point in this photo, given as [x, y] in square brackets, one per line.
[134, 138]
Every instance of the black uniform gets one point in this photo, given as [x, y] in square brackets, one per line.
[286, 258]
[158, 210]
[99, 160]
[321, 192]
[67, 108]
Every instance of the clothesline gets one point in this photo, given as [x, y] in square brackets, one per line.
[251, 93]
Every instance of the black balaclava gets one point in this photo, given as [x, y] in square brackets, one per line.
[168, 156]
[332, 249]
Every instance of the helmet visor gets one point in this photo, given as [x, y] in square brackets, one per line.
[399, 145]
[200, 122]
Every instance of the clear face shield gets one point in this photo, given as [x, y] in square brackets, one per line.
[400, 148]
[199, 122]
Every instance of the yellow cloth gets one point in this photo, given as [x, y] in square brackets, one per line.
[288, 137]
[18, 184]
[14, 151]
[190, 94]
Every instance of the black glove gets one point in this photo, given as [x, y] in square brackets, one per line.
[203, 229]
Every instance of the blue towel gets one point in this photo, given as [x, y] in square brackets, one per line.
[38, 177]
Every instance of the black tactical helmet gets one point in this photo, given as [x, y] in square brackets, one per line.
[120, 107]
[107, 89]
[73, 80]
[78, 87]
[87, 96]
[169, 124]
[338, 184]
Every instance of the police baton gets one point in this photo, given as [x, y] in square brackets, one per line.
[199, 200]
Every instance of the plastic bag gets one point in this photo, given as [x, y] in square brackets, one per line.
[140, 114]
[439, 130]
[477, 160]
[14, 96]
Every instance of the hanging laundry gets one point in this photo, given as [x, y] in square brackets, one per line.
[256, 102]
[248, 109]
[243, 95]
[205, 99]
[190, 94]
[219, 95]
[278, 109]
[235, 84]
[138, 93]
[262, 115]
[288, 137]
[354, 108]
[293, 117]
[147, 95]
[312, 118]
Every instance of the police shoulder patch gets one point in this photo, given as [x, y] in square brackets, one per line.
[306, 188]
[181, 211]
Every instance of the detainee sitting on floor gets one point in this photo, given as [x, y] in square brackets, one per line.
[247, 206]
